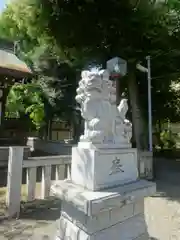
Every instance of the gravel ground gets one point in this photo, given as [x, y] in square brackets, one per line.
[38, 219]
[162, 212]
[37, 222]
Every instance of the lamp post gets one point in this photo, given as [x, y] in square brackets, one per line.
[149, 102]
[148, 71]
[117, 67]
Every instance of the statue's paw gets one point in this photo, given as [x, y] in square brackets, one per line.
[96, 136]
[82, 138]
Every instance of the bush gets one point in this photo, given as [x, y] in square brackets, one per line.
[168, 139]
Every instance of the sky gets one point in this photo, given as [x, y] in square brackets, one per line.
[2, 4]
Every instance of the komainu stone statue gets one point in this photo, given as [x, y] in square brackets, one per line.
[105, 123]
[93, 97]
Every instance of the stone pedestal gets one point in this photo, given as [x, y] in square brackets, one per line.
[98, 168]
[104, 198]
[115, 213]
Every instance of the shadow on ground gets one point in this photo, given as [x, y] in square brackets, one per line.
[168, 190]
[48, 210]
[168, 179]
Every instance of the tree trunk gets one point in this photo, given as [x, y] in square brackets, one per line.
[77, 122]
[137, 119]
[159, 135]
[76, 132]
[45, 130]
[50, 129]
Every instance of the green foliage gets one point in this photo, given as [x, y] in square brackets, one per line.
[26, 99]
[36, 114]
[22, 22]
[102, 30]
[130, 29]
[168, 139]
[58, 37]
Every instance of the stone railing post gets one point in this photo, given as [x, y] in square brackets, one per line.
[14, 180]
[145, 160]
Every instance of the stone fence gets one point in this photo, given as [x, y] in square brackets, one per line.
[145, 161]
[17, 162]
[4, 155]
[62, 148]
[16, 165]
[51, 147]
[36, 144]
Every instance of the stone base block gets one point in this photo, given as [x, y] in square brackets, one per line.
[104, 219]
[115, 213]
[131, 229]
[97, 169]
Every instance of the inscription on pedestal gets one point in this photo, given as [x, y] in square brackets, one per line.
[116, 166]
[119, 167]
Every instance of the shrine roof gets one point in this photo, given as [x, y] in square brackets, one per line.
[10, 64]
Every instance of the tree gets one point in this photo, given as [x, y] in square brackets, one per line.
[78, 32]
[56, 77]
[27, 100]
[130, 29]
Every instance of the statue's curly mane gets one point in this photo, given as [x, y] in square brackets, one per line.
[104, 121]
